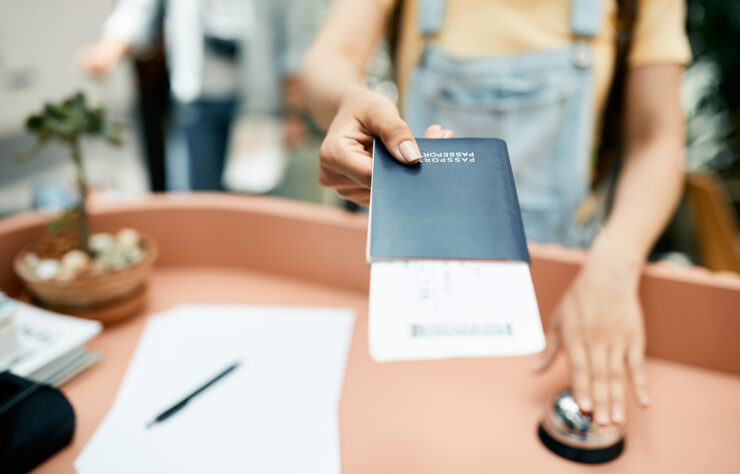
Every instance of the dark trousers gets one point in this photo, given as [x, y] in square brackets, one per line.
[206, 125]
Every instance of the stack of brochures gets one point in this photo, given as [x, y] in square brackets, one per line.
[42, 345]
[228, 388]
[449, 273]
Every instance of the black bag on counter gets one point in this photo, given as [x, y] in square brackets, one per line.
[36, 421]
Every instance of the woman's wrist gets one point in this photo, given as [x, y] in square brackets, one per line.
[618, 254]
[353, 91]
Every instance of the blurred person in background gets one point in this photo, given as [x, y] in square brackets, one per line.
[225, 58]
[536, 74]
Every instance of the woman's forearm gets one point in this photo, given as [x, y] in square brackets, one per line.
[651, 180]
[325, 78]
[338, 58]
[649, 188]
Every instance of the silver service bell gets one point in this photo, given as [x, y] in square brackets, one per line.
[572, 434]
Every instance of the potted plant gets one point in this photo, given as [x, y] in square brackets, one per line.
[70, 268]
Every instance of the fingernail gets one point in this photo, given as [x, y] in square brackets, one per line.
[602, 417]
[585, 404]
[617, 415]
[410, 151]
[645, 399]
[448, 134]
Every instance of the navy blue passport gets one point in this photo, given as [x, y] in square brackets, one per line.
[459, 202]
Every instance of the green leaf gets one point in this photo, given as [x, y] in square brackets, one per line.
[54, 111]
[94, 121]
[71, 118]
[34, 123]
[79, 100]
[63, 129]
[112, 133]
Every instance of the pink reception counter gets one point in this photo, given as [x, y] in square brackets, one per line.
[464, 415]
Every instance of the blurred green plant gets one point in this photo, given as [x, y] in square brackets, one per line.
[67, 122]
[714, 32]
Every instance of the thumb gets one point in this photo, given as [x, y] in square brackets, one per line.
[384, 121]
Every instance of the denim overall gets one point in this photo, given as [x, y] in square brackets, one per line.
[540, 103]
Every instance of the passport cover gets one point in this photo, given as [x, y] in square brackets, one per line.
[459, 202]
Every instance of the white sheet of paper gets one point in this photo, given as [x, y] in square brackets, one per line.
[276, 413]
[439, 309]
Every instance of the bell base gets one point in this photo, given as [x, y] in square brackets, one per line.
[586, 456]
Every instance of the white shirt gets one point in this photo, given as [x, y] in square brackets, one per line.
[275, 34]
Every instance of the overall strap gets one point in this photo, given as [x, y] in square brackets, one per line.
[430, 16]
[585, 17]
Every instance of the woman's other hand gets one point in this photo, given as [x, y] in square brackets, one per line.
[599, 326]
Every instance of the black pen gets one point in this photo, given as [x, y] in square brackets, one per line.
[181, 404]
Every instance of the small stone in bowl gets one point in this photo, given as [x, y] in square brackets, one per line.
[47, 269]
[32, 260]
[101, 242]
[113, 258]
[128, 238]
[74, 261]
[133, 255]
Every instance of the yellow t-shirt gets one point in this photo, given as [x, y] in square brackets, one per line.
[481, 28]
